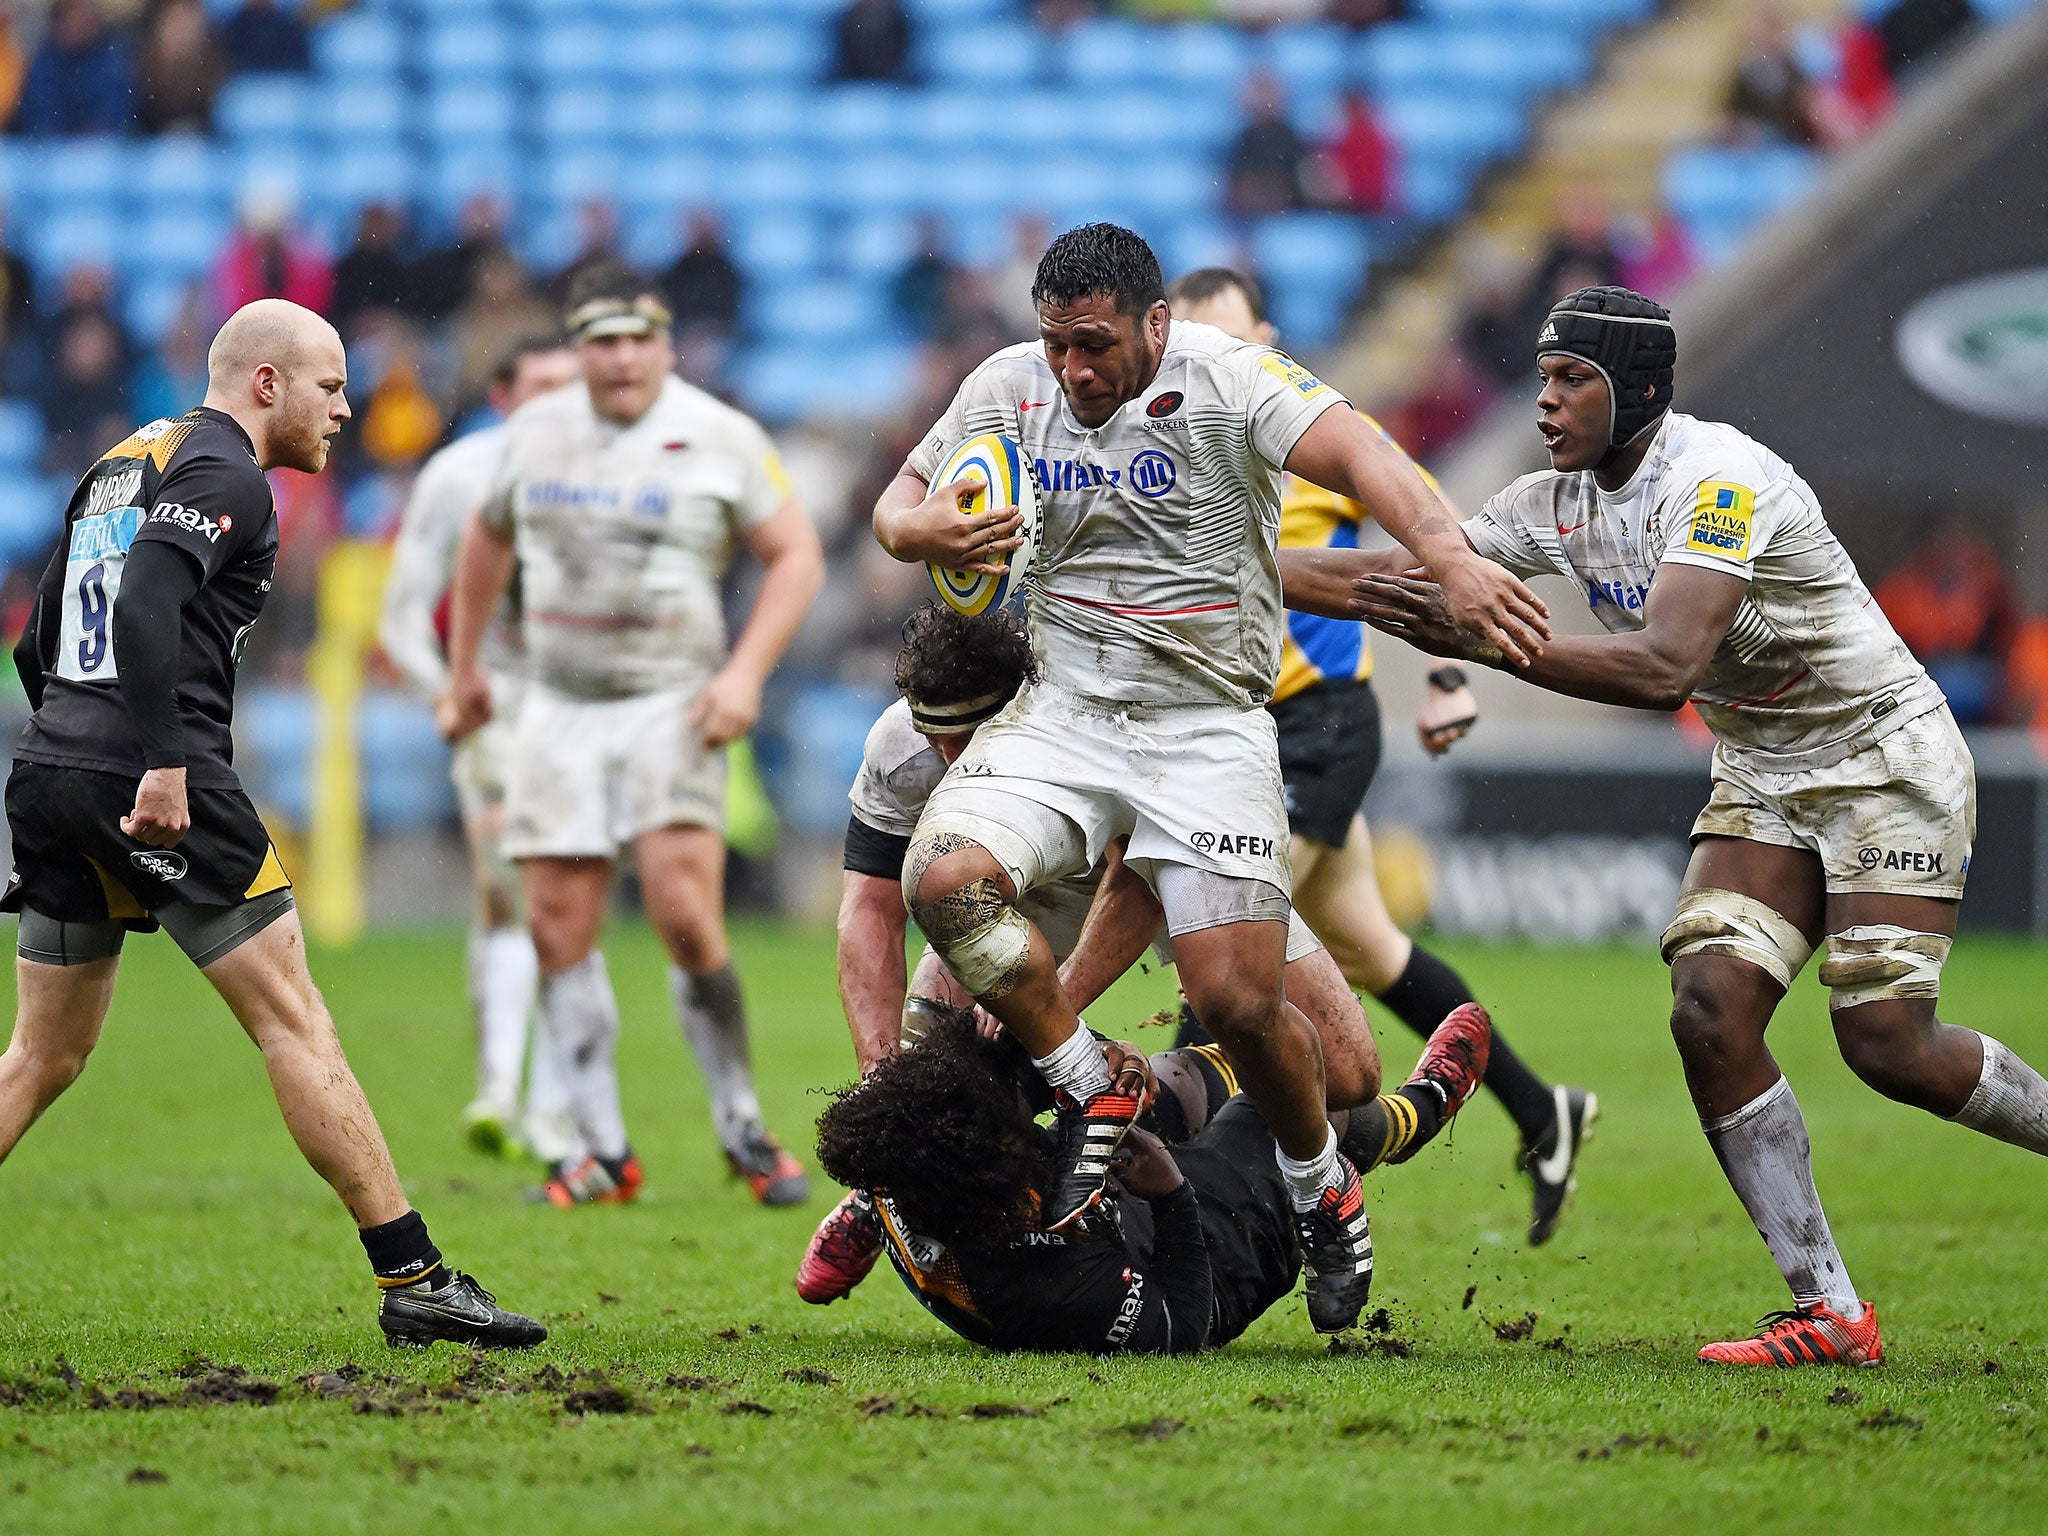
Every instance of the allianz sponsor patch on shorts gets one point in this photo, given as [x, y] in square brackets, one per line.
[1294, 376]
[1721, 519]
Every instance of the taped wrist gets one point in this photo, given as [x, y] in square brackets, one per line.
[1880, 962]
[1715, 922]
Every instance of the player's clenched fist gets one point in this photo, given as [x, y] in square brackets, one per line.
[727, 708]
[160, 817]
[465, 707]
[936, 530]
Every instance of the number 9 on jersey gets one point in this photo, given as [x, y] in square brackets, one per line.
[998, 463]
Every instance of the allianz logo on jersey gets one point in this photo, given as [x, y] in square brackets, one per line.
[1150, 473]
[649, 500]
[111, 491]
[1627, 595]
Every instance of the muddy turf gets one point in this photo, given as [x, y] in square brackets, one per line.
[187, 1338]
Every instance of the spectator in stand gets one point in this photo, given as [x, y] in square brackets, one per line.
[183, 66]
[703, 285]
[400, 423]
[85, 395]
[597, 240]
[269, 259]
[17, 287]
[1009, 286]
[83, 77]
[1861, 95]
[13, 67]
[920, 290]
[1581, 254]
[872, 40]
[502, 309]
[443, 277]
[374, 274]
[1954, 606]
[172, 379]
[1915, 30]
[1360, 14]
[1769, 96]
[1492, 337]
[1358, 163]
[1660, 261]
[1265, 165]
[265, 38]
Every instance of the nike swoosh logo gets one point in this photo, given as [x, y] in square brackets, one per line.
[1553, 1168]
[1031, 405]
[1564, 533]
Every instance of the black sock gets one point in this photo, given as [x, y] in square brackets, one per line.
[1190, 1031]
[1394, 1126]
[1424, 996]
[401, 1253]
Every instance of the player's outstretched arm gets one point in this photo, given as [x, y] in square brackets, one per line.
[788, 549]
[419, 575]
[1656, 667]
[483, 569]
[1321, 581]
[873, 977]
[1342, 452]
[913, 522]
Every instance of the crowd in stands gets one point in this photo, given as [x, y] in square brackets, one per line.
[1954, 602]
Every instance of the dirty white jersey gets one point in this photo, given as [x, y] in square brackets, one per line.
[1156, 579]
[448, 489]
[1810, 671]
[623, 534]
[899, 769]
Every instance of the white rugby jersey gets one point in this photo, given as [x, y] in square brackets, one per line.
[899, 769]
[624, 533]
[1810, 670]
[1156, 580]
[449, 487]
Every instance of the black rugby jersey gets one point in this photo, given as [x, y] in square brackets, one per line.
[192, 482]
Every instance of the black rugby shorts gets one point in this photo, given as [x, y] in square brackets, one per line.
[1329, 751]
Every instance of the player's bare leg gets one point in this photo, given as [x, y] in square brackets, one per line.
[59, 1011]
[504, 977]
[566, 903]
[682, 880]
[1337, 891]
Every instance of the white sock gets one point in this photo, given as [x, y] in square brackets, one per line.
[580, 1018]
[2010, 1101]
[715, 1023]
[1076, 1065]
[1306, 1181]
[1764, 1150]
[503, 975]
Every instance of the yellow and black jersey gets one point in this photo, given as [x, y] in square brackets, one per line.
[1318, 649]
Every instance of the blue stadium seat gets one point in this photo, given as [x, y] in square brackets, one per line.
[857, 118]
[1312, 264]
[1125, 122]
[31, 516]
[465, 115]
[405, 764]
[575, 116]
[176, 242]
[777, 52]
[933, 12]
[874, 245]
[1720, 194]
[1453, 124]
[1198, 241]
[1173, 186]
[819, 311]
[360, 45]
[785, 383]
[570, 52]
[184, 172]
[1210, 59]
[1106, 52]
[568, 178]
[662, 54]
[765, 117]
[448, 52]
[667, 119]
[969, 184]
[771, 180]
[84, 234]
[1432, 187]
[453, 179]
[364, 172]
[876, 183]
[60, 175]
[945, 120]
[263, 107]
[151, 304]
[776, 247]
[1310, 58]
[21, 434]
[345, 114]
[1005, 53]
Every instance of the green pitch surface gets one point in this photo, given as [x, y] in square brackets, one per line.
[159, 1214]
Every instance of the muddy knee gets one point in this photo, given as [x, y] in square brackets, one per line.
[961, 901]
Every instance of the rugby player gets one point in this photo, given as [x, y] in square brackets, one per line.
[1329, 728]
[125, 809]
[621, 497]
[503, 973]
[954, 672]
[1204, 1240]
[1155, 613]
[1844, 798]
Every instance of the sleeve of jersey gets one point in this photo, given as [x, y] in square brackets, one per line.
[1499, 535]
[1715, 523]
[209, 506]
[1286, 399]
[765, 487]
[976, 407]
[496, 507]
[871, 851]
[420, 568]
[35, 652]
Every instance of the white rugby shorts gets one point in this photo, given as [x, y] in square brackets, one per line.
[1194, 785]
[1895, 819]
[588, 776]
[479, 764]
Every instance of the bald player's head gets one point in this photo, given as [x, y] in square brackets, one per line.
[282, 372]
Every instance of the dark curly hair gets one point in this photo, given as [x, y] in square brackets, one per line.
[949, 657]
[943, 1131]
[1100, 258]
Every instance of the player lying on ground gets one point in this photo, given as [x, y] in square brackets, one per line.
[1203, 1236]
[1328, 720]
[1155, 612]
[126, 812]
[954, 672]
[1844, 798]
[503, 973]
[620, 498]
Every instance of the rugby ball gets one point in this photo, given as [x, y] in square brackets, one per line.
[998, 463]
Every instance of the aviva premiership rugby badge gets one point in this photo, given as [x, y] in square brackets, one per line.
[1720, 520]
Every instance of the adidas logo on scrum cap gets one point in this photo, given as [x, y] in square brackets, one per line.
[1549, 332]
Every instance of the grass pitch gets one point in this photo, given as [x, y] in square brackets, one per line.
[187, 1340]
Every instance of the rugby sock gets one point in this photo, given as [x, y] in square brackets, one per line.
[1424, 995]
[581, 1020]
[1764, 1150]
[1394, 1126]
[2010, 1100]
[1076, 1067]
[715, 1023]
[1306, 1181]
[503, 975]
[401, 1253]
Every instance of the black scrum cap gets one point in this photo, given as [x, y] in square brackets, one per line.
[1629, 338]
